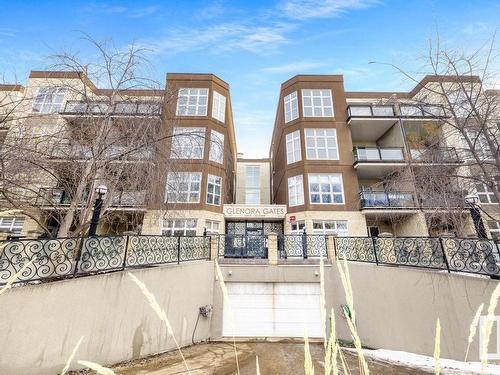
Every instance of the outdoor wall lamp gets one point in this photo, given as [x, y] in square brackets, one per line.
[101, 191]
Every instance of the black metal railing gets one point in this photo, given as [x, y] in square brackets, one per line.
[468, 255]
[242, 246]
[378, 154]
[381, 199]
[73, 257]
[58, 196]
[77, 107]
[367, 110]
[435, 155]
[302, 246]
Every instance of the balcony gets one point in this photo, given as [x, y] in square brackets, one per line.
[59, 197]
[82, 108]
[421, 111]
[374, 162]
[446, 200]
[440, 155]
[369, 122]
[381, 199]
[84, 152]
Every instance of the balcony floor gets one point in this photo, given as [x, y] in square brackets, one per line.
[377, 169]
[369, 129]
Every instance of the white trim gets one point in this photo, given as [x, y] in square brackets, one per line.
[296, 190]
[331, 193]
[187, 178]
[191, 99]
[322, 109]
[291, 107]
[293, 149]
[186, 141]
[321, 135]
[215, 184]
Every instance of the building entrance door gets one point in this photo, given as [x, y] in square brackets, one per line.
[248, 239]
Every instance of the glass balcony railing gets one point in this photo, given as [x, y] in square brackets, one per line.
[75, 107]
[370, 111]
[381, 199]
[435, 155]
[407, 110]
[378, 154]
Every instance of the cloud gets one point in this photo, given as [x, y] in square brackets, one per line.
[305, 9]
[295, 67]
[220, 38]
[123, 10]
[475, 27]
[254, 127]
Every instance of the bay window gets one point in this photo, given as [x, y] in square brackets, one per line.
[317, 103]
[295, 191]
[293, 153]
[326, 189]
[192, 102]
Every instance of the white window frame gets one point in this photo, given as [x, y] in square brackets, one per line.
[49, 99]
[291, 107]
[211, 228]
[317, 141]
[188, 143]
[13, 224]
[213, 197]
[219, 106]
[334, 224]
[192, 101]
[252, 190]
[216, 152]
[297, 227]
[489, 196]
[175, 180]
[326, 179]
[314, 109]
[295, 191]
[293, 150]
[170, 226]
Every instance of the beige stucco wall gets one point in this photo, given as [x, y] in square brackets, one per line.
[265, 181]
[396, 308]
[356, 223]
[152, 219]
[41, 324]
[410, 225]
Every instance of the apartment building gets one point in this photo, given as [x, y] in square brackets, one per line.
[330, 170]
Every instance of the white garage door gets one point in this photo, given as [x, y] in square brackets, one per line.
[272, 310]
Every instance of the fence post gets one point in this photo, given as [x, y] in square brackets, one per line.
[374, 242]
[125, 253]
[445, 256]
[178, 249]
[272, 250]
[304, 244]
[214, 247]
[330, 247]
[78, 255]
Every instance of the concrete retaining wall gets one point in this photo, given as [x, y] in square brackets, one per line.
[40, 324]
[396, 308]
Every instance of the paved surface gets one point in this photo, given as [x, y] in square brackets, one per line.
[274, 358]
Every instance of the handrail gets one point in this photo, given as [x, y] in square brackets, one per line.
[362, 154]
[120, 108]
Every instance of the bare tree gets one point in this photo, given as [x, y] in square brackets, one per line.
[456, 152]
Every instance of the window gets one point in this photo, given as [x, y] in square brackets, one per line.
[178, 227]
[494, 227]
[321, 144]
[192, 102]
[480, 143]
[485, 195]
[216, 147]
[338, 227]
[291, 107]
[252, 184]
[188, 143]
[317, 103]
[293, 153]
[212, 227]
[13, 225]
[326, 189]
[297, 227]
[214, 189]
[49, 99]
[295, 191]
[219, 107]
[183, 187]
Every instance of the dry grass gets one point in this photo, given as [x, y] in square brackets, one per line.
[225, 295]
[473, 329]
[489, 326]
[308, 365]
[437, 348]
[70, 358]
[160, 312]
[14, 277]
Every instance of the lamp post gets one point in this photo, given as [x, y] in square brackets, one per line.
[472, 201]
[101, 190]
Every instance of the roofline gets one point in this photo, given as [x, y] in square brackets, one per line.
[197, 77]
[253, 160]
[61, 74]
[11, 87]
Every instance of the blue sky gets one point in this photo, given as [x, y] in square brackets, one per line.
[253, 45]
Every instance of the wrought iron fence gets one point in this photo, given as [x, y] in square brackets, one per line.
[452, 254]
[302, 246]
[242, 246]
[73, 257]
